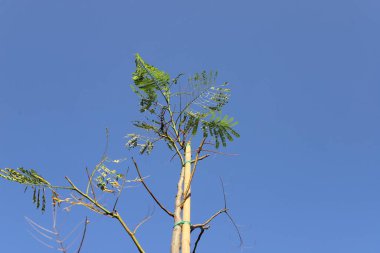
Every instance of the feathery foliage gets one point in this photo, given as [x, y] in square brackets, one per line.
[176, 114]
[174, 111]
[29, 178]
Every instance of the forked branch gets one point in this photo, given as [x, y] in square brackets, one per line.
[205, 225]
[113, 214]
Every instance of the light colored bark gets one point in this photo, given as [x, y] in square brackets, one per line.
[186, 206]
[176, 235]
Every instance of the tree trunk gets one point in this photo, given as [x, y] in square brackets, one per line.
[186, 206]
[176, 235]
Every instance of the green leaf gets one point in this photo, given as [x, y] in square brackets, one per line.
[144, 125]
[29, 178]
[195, 126]
[222, 137]
[150, 81]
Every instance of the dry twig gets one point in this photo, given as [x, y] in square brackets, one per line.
[149, 191]
[204, 226]
[146, 218]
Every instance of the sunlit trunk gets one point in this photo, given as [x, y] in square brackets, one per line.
[186, 206]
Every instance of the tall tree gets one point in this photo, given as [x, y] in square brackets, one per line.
[175, 111]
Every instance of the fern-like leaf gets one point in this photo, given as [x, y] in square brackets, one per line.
[149, 80]
[32, 179]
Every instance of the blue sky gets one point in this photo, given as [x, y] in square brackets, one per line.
[305, 83]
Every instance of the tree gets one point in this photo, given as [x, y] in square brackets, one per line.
[176, 115]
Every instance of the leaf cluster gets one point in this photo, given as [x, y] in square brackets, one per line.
[148, 81]
[176, 114]
[219, 128]
[108, 179]
[32, 179]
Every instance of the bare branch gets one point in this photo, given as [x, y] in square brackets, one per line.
[237, 229]
[35, 226]
[150, 192]
[90, 181]
[146, 218]
[104, 158]
[229, 216]
[71, 232]
[203, 225]
[102, 208]
[198, 239]
[40, 241]
[83, 235]
[106, 212]
[224, 193]
[220, 153]
[58, 235]
[203, 157]
[121, 189]
[54, 233]
[129, 232]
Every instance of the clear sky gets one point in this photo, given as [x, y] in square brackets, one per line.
[305, 79]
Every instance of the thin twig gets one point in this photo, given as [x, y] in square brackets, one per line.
[229, 216]
[237, 229]
[198, 239]
[83, 235]
[121, 189]
[40, 241]
[146, 218]
[150, 192]
[141, 223]
[72, 232]
[104, 158]
[92, 186]
[33, 225]
[105, 211]
[203, 157]
[224, 193]
[203, 225]
[58, 240]
[102, 208]
[220, 153]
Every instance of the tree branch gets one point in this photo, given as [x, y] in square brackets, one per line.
[146, 218]
[220, 153]
[203, 225]
[102, 208]
[229, 216]
[113, 214]
[90, 181]
[120, 191]
[104, 158]
[129, 232]
[198, 239]
[149, 191]
[83, 235]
